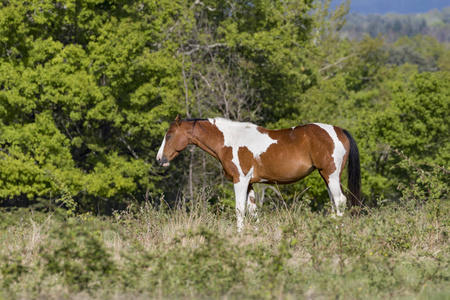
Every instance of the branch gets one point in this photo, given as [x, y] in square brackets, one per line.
[122, 139]
[201, 47]
[206, 81]
[336, 63]
[197, 2]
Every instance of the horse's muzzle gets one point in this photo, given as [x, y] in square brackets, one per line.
[163, 161]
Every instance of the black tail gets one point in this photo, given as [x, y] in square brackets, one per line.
[354, 172]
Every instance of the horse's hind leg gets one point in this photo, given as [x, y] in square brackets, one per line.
[251, 203]
[337, 197]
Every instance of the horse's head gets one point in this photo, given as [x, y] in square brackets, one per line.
[175, 141]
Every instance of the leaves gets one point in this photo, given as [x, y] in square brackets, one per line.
[85, 91]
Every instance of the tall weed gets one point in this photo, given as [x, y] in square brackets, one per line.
[194, 252]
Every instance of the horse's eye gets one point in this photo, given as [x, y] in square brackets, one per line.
[168, 137]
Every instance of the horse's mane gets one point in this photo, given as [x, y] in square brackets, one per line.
[217, 119]
[194, 121]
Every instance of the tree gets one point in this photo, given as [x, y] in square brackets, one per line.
[102, 79]
[88, 88]
[424, 51]
[84, 89]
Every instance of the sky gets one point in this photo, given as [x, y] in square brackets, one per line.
[394, 6]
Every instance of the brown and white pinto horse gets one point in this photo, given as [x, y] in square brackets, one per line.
[252, 154]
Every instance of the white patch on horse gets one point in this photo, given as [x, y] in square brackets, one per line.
[334, 187]
[161, 151]
[339, 150]
[240, 190]
[237, 135]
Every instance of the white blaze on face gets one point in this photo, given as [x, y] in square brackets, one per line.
[161, 152]
[237, 135]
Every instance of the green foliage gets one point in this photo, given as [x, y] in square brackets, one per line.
[415, 123]
[83, 95]
[80, 257]
[429, 186]
[12, 270]
[213, 266]
[424, 51]
[415, 119]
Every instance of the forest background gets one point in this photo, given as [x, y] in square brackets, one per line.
[88, 88]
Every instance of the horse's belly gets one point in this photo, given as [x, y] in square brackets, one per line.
[283, 173]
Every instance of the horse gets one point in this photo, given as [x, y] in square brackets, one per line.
[252, 154]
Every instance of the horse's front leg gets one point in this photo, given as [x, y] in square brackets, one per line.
[240, 190]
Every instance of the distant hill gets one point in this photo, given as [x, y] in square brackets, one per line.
[394, 6]
[434, 23]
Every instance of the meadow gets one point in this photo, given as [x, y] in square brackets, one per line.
[88, 90]
[397, 251]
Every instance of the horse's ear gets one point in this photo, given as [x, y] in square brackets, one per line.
[178, 120]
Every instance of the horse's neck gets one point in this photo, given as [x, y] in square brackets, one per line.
[205, 136]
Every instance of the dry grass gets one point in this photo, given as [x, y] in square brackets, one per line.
[394, 252]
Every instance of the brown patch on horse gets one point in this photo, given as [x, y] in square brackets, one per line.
[230, 170]
[346, 143]
[246, 159]
[283, 169]
[323, 146]
[205, 131]
[251, 199]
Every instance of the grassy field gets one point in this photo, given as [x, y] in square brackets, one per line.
[398, 251]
